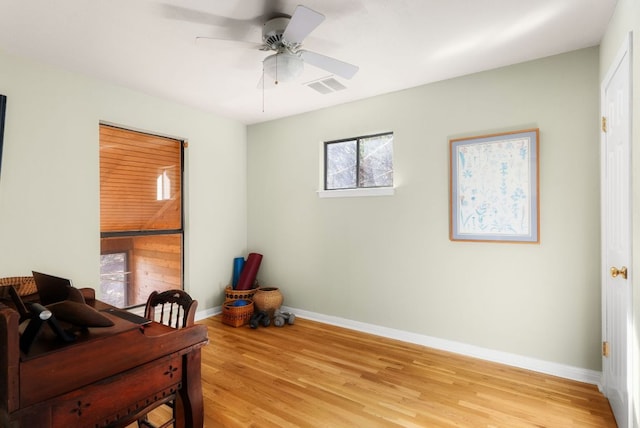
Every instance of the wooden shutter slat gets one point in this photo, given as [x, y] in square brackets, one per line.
[130, 163]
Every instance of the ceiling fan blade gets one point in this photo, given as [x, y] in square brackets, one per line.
[235, 28]
[303, 22]
[332, 65]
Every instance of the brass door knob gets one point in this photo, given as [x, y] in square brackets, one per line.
[615, 272]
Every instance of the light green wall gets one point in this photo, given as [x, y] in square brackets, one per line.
[388, 260]
[49, 182]
[381, 260]
[627, 19]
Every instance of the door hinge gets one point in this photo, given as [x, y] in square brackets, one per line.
[604, 124]
[605, 349]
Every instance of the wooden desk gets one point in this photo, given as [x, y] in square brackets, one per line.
[108, 377]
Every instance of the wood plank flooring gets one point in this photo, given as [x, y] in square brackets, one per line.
[316, 375]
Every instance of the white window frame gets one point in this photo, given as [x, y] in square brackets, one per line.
[348, 193]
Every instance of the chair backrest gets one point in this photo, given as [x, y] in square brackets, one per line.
[174, 308]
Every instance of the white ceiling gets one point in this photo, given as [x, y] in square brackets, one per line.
[150, 45]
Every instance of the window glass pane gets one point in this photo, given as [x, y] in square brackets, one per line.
[132, 267]
[156, 265]
[341, 161]
[113, 279]
[376, 161]
[140, 176]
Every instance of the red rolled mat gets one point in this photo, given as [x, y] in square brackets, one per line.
[249, 272]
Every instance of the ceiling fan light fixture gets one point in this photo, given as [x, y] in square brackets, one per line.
[283, 67]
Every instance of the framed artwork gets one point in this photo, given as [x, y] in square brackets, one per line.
[3, 109]
[494, 188]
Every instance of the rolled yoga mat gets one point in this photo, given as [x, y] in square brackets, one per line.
[249, 272]
[238, 264]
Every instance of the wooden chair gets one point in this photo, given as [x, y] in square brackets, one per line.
[176, 309]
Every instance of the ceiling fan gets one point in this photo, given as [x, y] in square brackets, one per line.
[284, 35]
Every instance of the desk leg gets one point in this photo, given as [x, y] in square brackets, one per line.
[189, 403]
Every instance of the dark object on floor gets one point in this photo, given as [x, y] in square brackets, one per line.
[280, 318]
[260, 317]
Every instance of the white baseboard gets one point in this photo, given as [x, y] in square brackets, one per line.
[200, 315]
[514, 360]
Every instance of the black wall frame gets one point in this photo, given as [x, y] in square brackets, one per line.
[3, 109]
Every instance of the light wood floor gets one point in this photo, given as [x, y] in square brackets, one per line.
[316, 375]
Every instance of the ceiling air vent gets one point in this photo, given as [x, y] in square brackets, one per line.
[326, 86]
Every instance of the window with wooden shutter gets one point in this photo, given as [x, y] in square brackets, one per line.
[140, 215]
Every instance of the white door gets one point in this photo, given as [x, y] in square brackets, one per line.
[616, 236]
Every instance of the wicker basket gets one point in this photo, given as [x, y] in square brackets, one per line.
[268, 299]
[236, 316]
[24, 285]
[231, 294]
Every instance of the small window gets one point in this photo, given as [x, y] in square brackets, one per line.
[359, 163]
